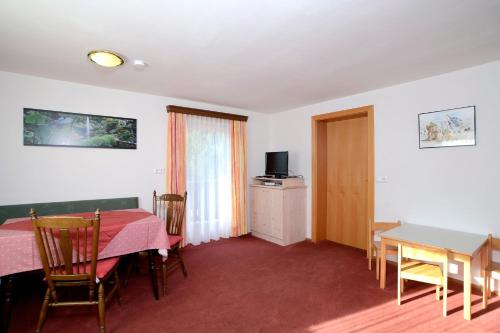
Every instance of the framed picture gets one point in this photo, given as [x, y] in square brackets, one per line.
[56, 128]
[447, 128]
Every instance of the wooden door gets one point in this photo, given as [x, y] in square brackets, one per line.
[346, 178]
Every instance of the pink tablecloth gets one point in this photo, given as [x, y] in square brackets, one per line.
[19, 252]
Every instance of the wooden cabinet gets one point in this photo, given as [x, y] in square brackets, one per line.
[278, 212]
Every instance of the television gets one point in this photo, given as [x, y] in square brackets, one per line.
[277, 164]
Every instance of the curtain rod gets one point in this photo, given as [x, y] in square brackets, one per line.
[205, 113]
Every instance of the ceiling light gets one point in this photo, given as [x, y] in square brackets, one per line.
[105, 58]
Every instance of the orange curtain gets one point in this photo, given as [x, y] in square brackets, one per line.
[239, 177]
[176, 153]
[176, 158]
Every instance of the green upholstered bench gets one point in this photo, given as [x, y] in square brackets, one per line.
[66, 207]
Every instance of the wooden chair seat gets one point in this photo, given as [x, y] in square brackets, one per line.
[174, 240]
[422, 272]
[104, 267]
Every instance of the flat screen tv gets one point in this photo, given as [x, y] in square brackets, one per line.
[277, 163]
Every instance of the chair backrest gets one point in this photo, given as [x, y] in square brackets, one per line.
[170, 208]
[68, 248]
[423, 253]
[493, 245]
[380, 226]
[384, 226]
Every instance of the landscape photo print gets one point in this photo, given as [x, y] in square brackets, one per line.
[55, 128]
[447, 128]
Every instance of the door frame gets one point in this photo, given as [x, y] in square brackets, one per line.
[319, 167]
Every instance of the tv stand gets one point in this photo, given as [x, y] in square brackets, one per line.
[278, 209]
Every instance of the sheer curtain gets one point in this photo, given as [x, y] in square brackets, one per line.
[208, 179]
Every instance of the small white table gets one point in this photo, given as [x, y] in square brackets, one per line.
[463, 247]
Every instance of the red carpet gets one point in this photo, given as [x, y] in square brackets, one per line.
[249, 285]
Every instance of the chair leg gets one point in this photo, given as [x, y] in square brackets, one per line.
[102, 309]
[377, 269]
[181, 260]
[403, 285]
[370, 258]
[399, 290]
[437, 293]
[91, 293]
[485, 292]
[445, 297]
[489, 285]
[118, 288]
[43, 311]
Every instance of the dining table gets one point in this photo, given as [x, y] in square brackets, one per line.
[122, 232]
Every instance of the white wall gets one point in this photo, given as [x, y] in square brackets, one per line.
[45, 174]
[454, 188]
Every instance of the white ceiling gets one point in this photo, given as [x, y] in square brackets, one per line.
[259, 55]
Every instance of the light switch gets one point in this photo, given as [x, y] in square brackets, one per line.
[382, 179]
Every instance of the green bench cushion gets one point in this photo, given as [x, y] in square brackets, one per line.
[66, 207]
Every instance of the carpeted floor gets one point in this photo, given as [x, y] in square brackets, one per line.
[249, 285]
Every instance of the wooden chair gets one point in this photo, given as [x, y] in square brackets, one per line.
[374, 246]
[171, 208]
[491, 269]
[412, 267]
[68, 249]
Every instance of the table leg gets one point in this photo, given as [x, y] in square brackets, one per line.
[382, 263]
[484, 261]
[7, 288]
[467, 289]
[152, 273]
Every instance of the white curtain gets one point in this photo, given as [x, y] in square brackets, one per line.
[208, 179]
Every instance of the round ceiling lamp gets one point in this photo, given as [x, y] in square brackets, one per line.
[105, 58]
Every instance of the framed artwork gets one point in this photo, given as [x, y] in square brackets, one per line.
[56, 128]
[447, 128]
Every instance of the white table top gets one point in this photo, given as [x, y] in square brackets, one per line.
[455, 241]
